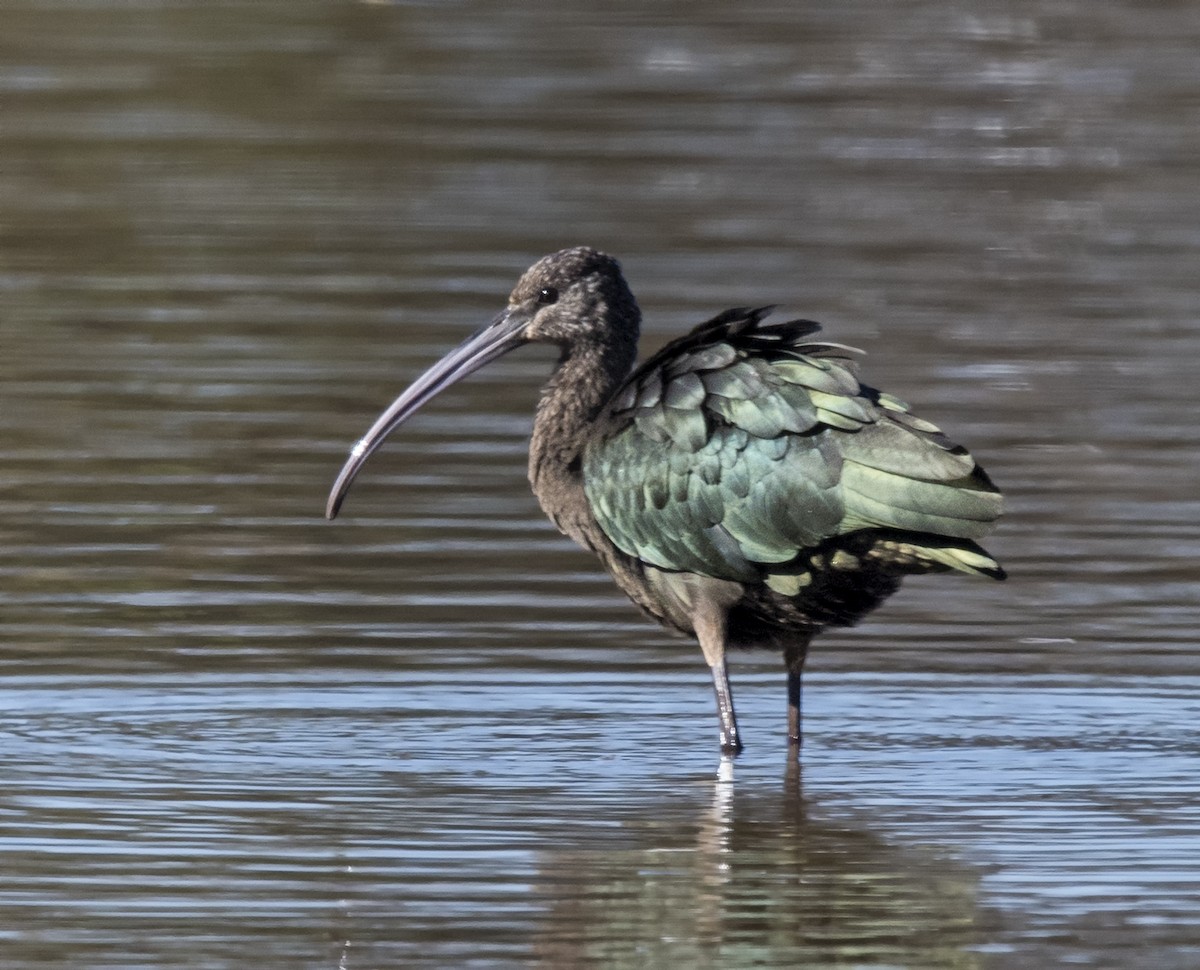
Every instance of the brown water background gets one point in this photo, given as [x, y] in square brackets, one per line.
[432, 734]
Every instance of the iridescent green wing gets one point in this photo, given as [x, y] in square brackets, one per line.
[742, 445]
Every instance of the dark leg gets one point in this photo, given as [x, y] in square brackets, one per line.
[731, 742]
[794, 734]
[793, 658]
[710, 620]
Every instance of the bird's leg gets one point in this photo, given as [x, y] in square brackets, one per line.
[795, 737]
[709, 622]
[793, 658]
[731, 742]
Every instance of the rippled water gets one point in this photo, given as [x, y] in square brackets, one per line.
[431, 733]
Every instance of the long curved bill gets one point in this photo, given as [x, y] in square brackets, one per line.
[503, 334]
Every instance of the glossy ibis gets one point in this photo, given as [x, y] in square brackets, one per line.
[740, 486]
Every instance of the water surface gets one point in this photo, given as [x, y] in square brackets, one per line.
[432, 733]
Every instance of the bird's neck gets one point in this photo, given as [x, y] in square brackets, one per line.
[585, 380]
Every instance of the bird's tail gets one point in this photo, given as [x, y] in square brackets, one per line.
[966, 557]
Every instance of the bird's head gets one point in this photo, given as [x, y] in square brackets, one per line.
[569, 298]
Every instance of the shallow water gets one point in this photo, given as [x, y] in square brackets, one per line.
[431, 733]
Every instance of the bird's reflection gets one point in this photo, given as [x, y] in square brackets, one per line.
[742, 875]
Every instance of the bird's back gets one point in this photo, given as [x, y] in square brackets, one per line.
[746, 452]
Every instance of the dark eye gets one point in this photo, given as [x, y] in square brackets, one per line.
[547, 295]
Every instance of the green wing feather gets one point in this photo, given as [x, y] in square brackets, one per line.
[743, 445]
